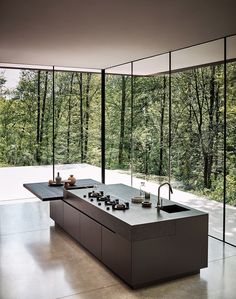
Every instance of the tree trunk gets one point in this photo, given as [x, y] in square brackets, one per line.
[43, 115]
[58, 111]
[162, 102]
[208, 155]
[208, 159]
[69, 119]
[122, 122]
[217, 125]
[81, 119]
[87, 115]
[199, 119]
[38, 122]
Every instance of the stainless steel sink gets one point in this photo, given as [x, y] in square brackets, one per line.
[173, 209]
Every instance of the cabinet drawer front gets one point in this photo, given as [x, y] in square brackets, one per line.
[71, 221]
[91, 235]
[116, 253]
[57, 211]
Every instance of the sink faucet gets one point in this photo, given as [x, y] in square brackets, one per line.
[159, 199]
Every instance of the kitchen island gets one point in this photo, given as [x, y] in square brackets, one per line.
[141, 245]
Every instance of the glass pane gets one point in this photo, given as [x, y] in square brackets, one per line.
[25, 130]
[151, 122]
[197, 133]
[118, 125]
[230, 235]
[78, 125]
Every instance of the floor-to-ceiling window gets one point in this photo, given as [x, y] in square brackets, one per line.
[26, 118]
[200, 129]
[183, 128]
[197, 114]
[118, 124]
[230, 226]
[28, 137]
[25, 128]
[151, 121]
[77, 124]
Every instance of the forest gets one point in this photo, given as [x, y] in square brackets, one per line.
[183, 139]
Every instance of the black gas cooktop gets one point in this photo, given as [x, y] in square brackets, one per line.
[107, 201]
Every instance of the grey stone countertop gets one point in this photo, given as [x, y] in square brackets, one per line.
[136, 214]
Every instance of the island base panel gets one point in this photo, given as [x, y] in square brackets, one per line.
[57, 212]
[72, 221]
[171, 256]
[116, 253]
[91, 235]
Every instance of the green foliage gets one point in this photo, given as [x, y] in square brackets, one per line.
[197, 125]
[29, 111]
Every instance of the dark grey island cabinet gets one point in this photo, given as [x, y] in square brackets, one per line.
[71, 221]
[141, 245]
[116, 253]
[57, 211]
[91, 235]
[78, 225]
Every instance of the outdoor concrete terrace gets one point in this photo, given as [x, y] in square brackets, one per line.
[12, 191]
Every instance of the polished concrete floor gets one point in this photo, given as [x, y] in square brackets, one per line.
[39, 261]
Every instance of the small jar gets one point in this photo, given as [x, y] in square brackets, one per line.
[66, 185]
[72, 180]
[147, 196]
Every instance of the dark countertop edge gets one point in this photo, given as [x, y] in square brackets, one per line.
[171, 219]
[28, 187]
[42, 199]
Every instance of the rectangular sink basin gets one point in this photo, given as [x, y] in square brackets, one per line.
[174, 209]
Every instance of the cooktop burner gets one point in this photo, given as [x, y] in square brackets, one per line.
[104, 198]
[111, 202]
[96, 194]
[121, 206]
[114, 203]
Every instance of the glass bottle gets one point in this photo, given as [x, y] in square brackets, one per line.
[142, 186]
[58, 179]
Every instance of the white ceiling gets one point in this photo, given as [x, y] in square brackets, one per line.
[103, 33]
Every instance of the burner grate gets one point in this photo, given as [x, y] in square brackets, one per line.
[114, 203]
[96, 194]
[121, 206]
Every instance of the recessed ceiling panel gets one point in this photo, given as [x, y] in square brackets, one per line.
[151, 66]
[124, 69]
[231, 47]
[203, 54]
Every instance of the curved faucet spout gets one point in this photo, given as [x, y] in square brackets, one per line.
[159, 199]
